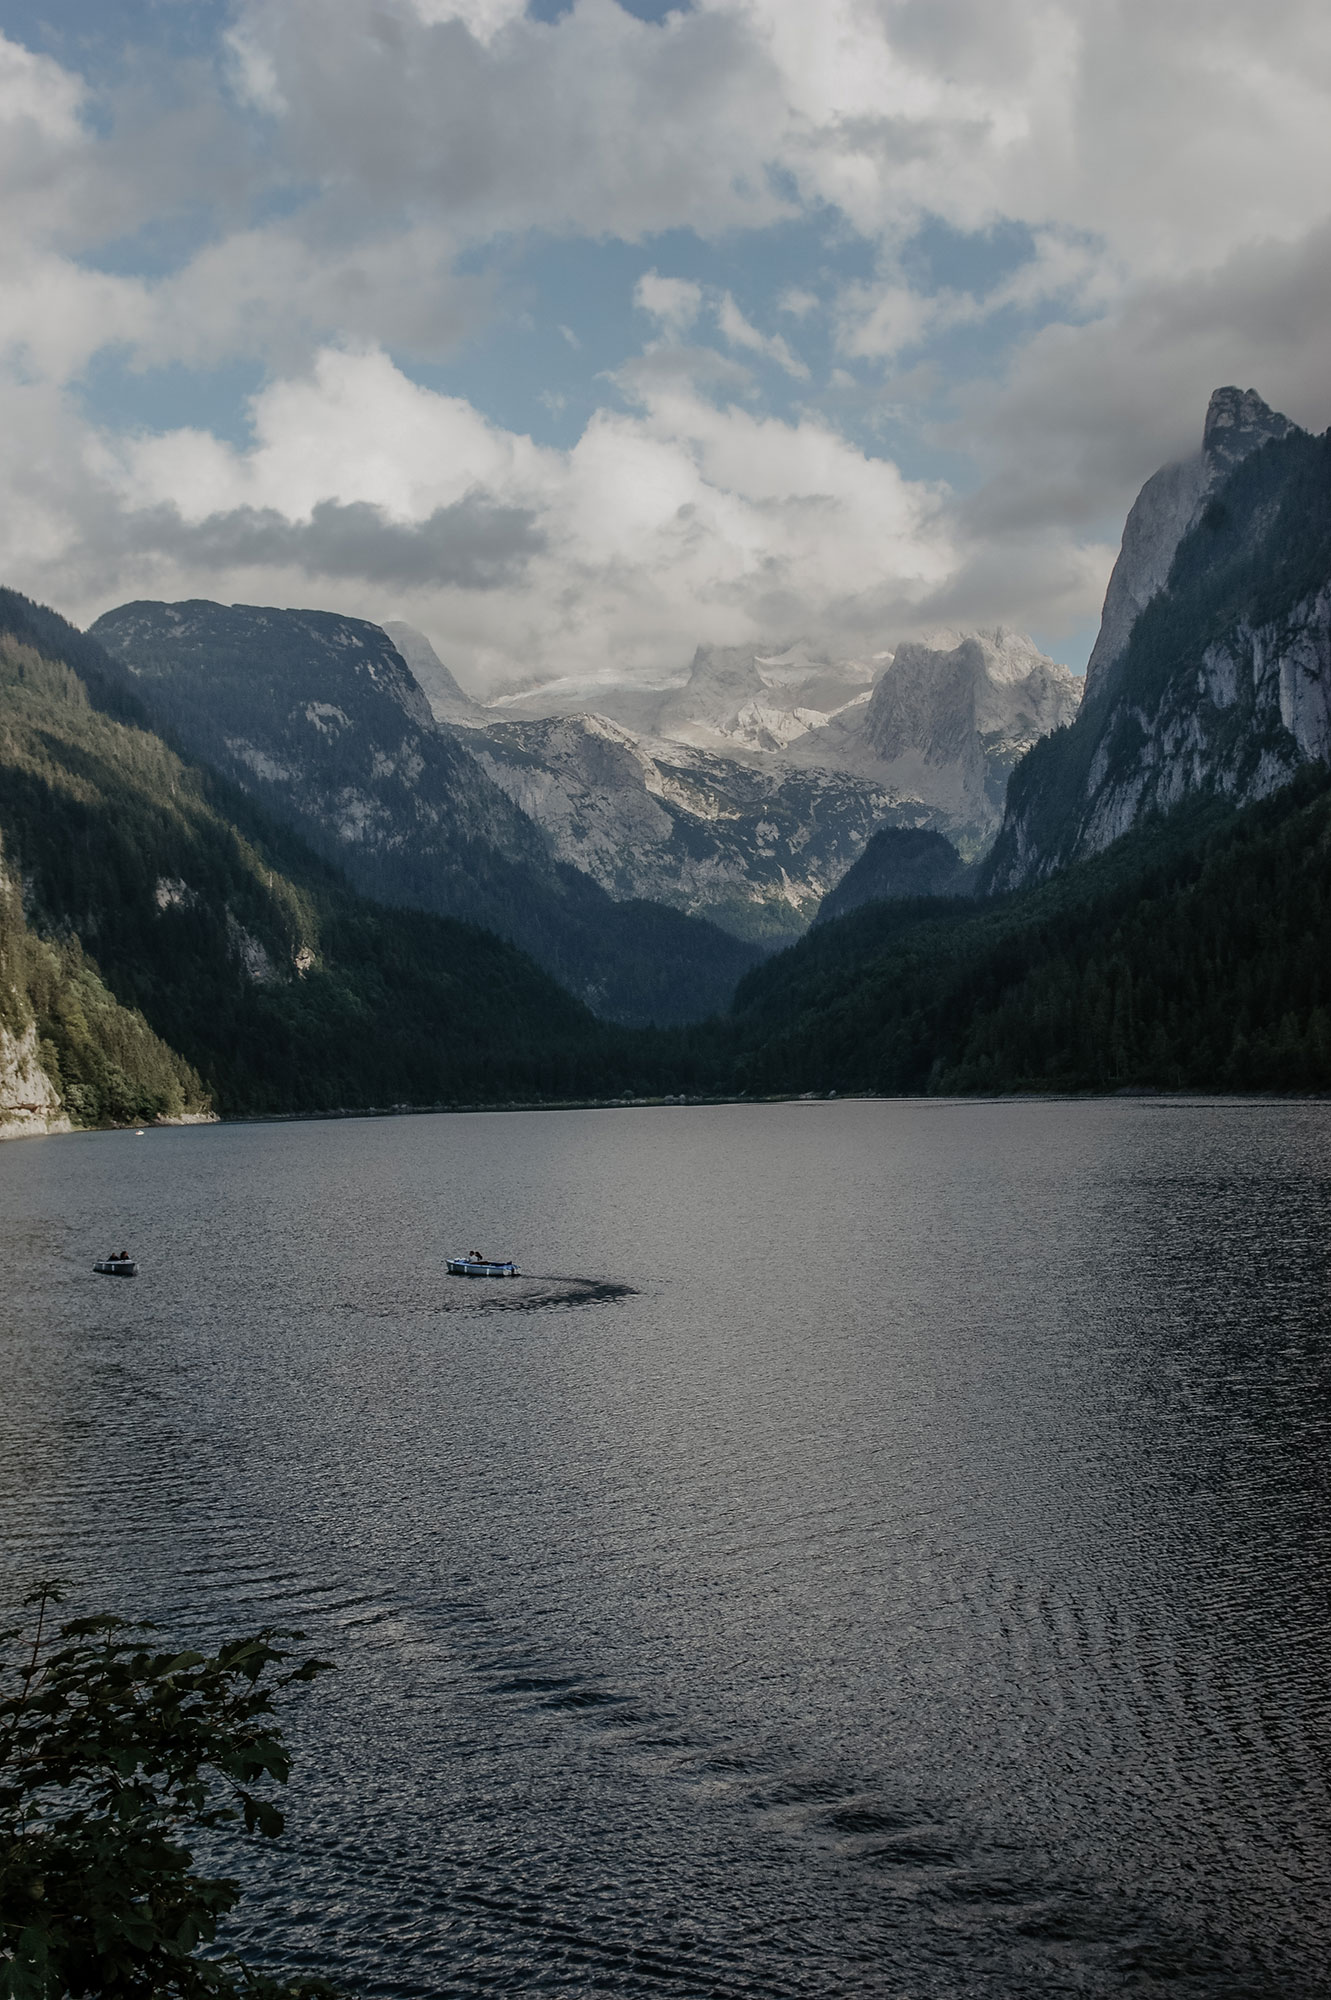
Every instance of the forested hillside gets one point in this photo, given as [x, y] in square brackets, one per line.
[70, 1054]
[1194, 954]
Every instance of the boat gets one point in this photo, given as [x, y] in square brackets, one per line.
[480, 1267]
[117, 1267]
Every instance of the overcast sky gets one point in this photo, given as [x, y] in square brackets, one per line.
[580, 334]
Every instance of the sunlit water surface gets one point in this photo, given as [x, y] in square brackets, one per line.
[882, 1550]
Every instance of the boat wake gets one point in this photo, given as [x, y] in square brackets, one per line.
[535, 1293]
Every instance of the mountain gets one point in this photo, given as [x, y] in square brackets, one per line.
[319, 718]
[1221, 681]
[174, 944]
[946, 723]
[742, 699]
[938, 725]
[899, 862]
[1194, 954]
[1170, 503]
[744, 790]
[753, 846]
[70, 1053]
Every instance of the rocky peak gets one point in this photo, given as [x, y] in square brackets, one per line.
[1170, 503]
[1237, 422]
[949, 718]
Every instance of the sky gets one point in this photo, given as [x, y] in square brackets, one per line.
[582, 334]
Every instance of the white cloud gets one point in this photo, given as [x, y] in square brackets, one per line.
[483, 19]
[674, 303]
[38, 99]
[737, 330]
[324, 186]
[253, 73]
[663, 519]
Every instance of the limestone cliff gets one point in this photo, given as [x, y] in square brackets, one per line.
[1223, 682]
[29, 1102]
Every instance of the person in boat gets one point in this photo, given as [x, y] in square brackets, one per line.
[475, 1257]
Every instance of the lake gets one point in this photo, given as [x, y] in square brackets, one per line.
[879, 1548]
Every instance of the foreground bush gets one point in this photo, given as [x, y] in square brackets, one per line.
[113, 1755]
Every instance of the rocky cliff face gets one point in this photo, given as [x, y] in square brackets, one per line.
[1223, 681]
[29, 1102]
[754, 846]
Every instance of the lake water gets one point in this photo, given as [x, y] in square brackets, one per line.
[883, 1550]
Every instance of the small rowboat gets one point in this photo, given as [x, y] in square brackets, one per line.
[480, 1267]
[117, 1267]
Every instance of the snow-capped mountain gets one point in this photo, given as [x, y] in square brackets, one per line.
[745, 788]
[737, 700]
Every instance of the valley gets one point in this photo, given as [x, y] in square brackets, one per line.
[257, 860]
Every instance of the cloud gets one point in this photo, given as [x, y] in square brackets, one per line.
[674, 303]
[737, 330]
[39, 101]
[472, 545]
[1086, 413]
[365, 492]
[348, 152]
[327, 203]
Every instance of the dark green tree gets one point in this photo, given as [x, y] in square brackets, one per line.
[114, 1754]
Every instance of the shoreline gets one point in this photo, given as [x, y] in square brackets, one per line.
[1127, 1094]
